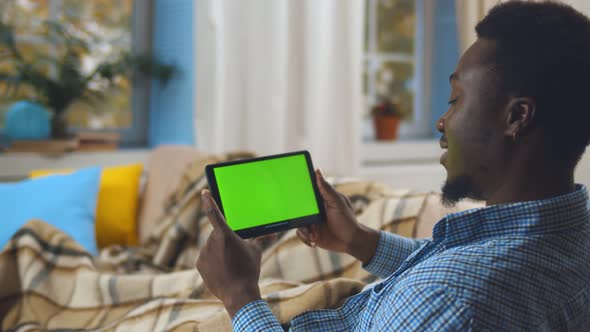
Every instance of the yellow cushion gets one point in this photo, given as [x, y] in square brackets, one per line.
[116, 211]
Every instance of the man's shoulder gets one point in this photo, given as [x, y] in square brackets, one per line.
[461, 268]
[507, 262]
[532, 276]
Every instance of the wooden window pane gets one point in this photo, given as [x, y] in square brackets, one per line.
[396, 26]
[106, 24]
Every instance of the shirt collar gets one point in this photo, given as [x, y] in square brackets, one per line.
[525, 218]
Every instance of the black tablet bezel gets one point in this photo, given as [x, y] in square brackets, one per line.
[279, 225]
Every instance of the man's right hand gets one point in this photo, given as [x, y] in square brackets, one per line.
[341, 232]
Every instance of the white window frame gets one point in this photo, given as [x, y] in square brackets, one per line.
[419, 127]
[141, 32]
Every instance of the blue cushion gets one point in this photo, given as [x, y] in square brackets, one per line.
[68, 202]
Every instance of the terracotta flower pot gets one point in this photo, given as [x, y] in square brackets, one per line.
[386, 127]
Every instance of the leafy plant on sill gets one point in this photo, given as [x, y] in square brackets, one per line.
[58, 80]
[387, 107]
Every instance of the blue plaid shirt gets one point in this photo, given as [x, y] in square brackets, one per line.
[521, 266]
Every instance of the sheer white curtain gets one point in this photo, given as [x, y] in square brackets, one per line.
[470, 12]
[581, 5]
[280, 75]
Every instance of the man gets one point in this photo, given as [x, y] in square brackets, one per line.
[517, 124]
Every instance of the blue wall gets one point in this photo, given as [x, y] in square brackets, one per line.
[445, 57]
[172, 106]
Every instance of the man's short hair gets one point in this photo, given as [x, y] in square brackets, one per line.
[543, 52]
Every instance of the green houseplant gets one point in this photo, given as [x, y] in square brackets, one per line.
[387, 116]
[58, 79]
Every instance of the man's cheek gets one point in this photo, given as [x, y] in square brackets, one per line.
[455, 155]
[456, 163]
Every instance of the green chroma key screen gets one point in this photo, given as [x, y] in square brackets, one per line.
[265, 192]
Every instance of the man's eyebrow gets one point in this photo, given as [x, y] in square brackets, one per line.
[453, 76]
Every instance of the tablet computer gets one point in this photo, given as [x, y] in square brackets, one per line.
[268, 194]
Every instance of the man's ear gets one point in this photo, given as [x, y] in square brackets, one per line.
[519, 116]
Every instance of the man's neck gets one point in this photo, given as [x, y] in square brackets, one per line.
[533, 183]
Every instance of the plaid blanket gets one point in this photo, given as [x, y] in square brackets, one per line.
[49, 283]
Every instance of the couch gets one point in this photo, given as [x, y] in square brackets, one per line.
[49, 281]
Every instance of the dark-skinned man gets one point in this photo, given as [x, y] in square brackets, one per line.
[517, 124]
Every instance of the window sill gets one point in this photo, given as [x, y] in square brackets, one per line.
[411, 164]
[416, 164]
[377, 153]
[17, 166]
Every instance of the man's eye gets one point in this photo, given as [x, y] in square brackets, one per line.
[452, 101]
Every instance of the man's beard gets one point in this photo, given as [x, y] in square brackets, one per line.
[458, 188]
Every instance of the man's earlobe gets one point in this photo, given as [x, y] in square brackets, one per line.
[520, 116]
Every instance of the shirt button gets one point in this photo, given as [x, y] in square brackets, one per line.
[378, 287]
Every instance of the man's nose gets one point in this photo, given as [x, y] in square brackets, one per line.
[440, 125]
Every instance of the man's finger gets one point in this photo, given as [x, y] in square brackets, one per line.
[302, 234]
[328, 192]
[304, 230]
[303, 238]
[314, 232]
[346, 200]
[215, 216]
[254, 242]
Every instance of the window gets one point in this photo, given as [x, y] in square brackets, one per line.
[111, 27]
[395, 61]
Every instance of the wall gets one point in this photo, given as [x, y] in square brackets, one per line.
[445, 57]
[172, 106]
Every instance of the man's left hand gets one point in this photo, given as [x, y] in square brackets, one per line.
[229, 265]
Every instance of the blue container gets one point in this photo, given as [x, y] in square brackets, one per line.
[26, 120]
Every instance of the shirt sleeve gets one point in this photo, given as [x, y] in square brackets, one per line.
[392, 251]
[430, 308]
[256, 316]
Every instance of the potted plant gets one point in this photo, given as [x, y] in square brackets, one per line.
[58, 80]
[387, 116]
